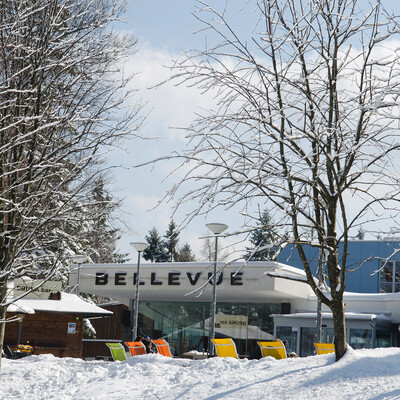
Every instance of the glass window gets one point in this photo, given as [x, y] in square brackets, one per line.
[386, 276]
[383, 338]
[186, 324]
[307, 341]
[361, 338]
[397, 272]
[289, 336]
[328, 335]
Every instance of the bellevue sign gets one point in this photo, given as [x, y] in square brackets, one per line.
[174, 278]
[190, 281]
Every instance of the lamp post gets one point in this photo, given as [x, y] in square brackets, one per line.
[216, 229]
[20, 319]
[78, 259]
[139, 246]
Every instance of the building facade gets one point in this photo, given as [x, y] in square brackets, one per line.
[373, 265]
[175, 300]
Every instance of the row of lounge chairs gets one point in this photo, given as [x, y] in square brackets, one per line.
[225, 348]
[119, 353]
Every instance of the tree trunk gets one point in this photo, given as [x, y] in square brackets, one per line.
[3, 312]
[339, 328]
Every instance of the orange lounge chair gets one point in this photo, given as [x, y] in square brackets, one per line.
[136, 348]
[162, 347]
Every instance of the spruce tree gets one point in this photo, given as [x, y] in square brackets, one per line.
[171, 242]
[102, 234]
[185, 254]
[155, 252]
[262, 236]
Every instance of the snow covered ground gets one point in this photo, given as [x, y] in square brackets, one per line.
[361, 374]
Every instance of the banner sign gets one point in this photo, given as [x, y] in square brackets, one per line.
[24, 285]
[230, 321]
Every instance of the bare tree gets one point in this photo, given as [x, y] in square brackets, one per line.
[306, 120]
[62, 96]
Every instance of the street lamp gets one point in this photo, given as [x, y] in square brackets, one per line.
[216, 229]
[78, 259]
[139, 247]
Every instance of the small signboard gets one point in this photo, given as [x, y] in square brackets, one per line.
[41, 289]
[71, 327]
[231, 321]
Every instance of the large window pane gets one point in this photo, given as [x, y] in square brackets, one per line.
[186, 324]
[397, 272]
[386, 271]
[386, 276]
[361, 338]
[289, 336]
[383, 338]
[385, 288]
[307, 341]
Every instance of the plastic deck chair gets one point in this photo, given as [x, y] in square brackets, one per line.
[136, 348]
[274, 349]
[117, 351]
[225, 347]
[7, 351]
[324, 348]
[162, 347]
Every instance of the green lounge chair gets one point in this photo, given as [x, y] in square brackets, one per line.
[117, 351]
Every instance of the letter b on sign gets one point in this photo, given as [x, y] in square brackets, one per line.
[101, 278]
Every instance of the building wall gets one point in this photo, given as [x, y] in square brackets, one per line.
[363, 279]
[49, 333]
[114, 327]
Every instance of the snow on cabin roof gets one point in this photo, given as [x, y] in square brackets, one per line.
[18, 308]
[69, 304]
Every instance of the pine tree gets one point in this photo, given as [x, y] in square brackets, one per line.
[263, 236]
[185, 254]
[102, 236]
[155, 252]
[171, 242]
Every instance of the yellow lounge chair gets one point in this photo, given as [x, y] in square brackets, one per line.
[324, 348]
[274, 349]
[117, 351]
[225, 347]
[162, 347]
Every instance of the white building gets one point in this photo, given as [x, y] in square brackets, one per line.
[175, 303]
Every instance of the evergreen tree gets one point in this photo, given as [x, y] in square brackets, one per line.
[101, 235]
[171, 242]
[263, 236]
[155, 252]
[185, 254]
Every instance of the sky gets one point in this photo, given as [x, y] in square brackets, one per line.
[359, 375]
[164, 29]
